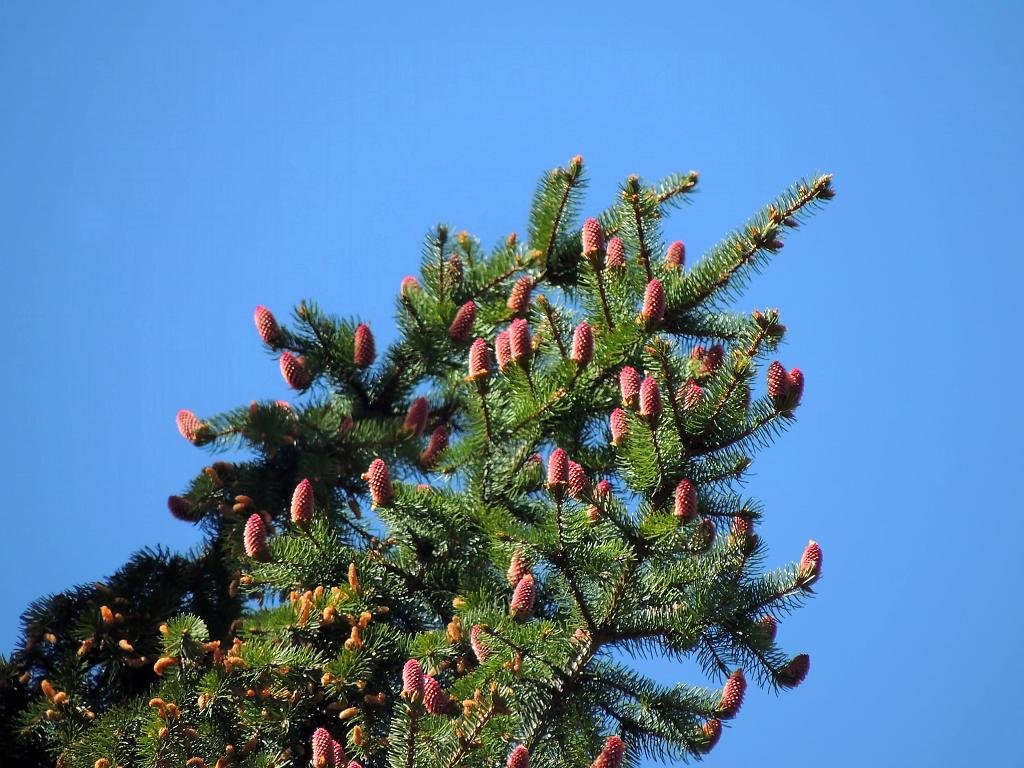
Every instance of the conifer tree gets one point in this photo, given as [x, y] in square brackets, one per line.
[447, 554]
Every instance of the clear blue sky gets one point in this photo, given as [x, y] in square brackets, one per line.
[163, 171]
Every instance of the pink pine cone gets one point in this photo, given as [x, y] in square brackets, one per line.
[522, 597]
[770, 627]
[603, 491]
[592, 238]
[712, 360]
[416, 417]
[412, 677]
[320, 745]
[675, 256]
[503, 350]
[302, 503]
[481, 651]
[583, 344]
[732, 695]
[712, 733]
[266, 325]
[294, 371]
[794, 673]
[337, 753]
[462, 325]
[650, 401]
[558, 468]
[520, 758]
[795, 384]
[438, 442]
[189, 425]
[619, 426]
[611, 754]
[578, 481]
[519, 342]
[776, 380]
[379, 481]
[629, 386]
[810, 562]
[255, 538]
[435, 700]
[654, 302]
[519, 296]
[516, 568]
[615, 254]
[409, 284]
[686, 501]
[479, 360]
[690, 394]
[364, 347]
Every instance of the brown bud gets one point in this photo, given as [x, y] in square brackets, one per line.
[348, 714]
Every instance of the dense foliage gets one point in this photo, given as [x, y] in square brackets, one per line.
[448, 554]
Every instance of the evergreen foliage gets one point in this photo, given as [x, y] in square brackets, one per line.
[447, 554]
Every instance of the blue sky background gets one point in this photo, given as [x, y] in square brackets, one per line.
[163, 171]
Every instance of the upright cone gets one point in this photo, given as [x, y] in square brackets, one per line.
[611, 754]
[302, 503]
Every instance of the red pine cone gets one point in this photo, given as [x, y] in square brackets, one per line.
[302, 503]
[481, 651]
[629, 386]
[412, 677]
[558, 468]
[182, 509]
[189, 425]
[409, 284]
[770, 627]
[479, 360]
[582, 344]
[379, 481]
[364, 347]
[810, 562]
[791, 675]
[516, 568]
[732, 695]
[416, 417]
[611, 754]
[321, 747]
[354, 764]
[522, 597]
[519, 297]
[294, 371]
[438, 442]
[776, 380]
[519, 342]
[795, 384]
[650, 401]
[685, 501]
[520, 758]
[690, 394]
[592, 238]
[654, 302]
[619, 426]
[676, 254]
[255, 538]
[712, 360]
[337, 753]
[503, 350]
[615, 254]
[462, 325]
[578, 481]
[434, 698]
[603, 491]
[266, 325]
[712, 733]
